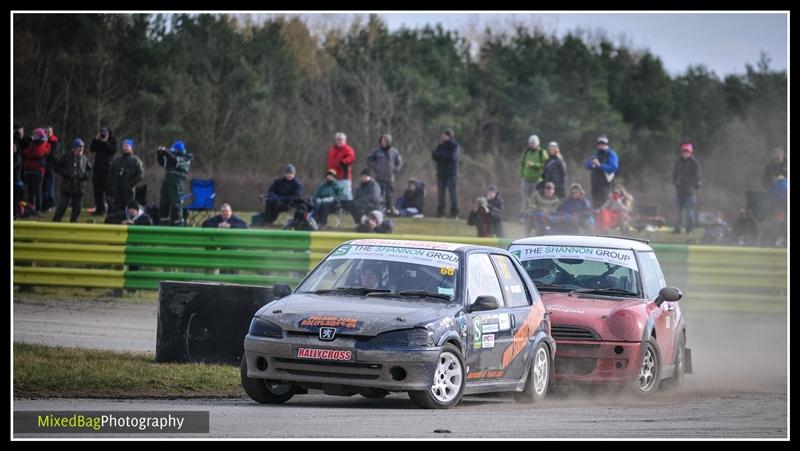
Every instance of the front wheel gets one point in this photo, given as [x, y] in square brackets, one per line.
[538, 383]
[680, 365]
[264, 391]
[648, 377]
[448, 382]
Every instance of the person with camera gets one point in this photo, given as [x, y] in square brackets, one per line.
[176, 163]
[302, 219]
[104, 147]
[33, 167]
[125, 173]
[75, 169]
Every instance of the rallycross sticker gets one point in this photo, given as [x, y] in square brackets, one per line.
[446, 261]
[330, 321]
[324, 354]
[488, 341]
[619, 257]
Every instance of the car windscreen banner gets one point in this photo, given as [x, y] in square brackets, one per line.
[427, 257]
[621, 257]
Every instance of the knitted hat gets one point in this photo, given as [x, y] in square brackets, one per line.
[77, 142]
[687, 147]
[128, 142]
[289, 169]
[533, 139]
[449, 132]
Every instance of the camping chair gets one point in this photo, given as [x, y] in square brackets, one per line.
[202, 206]
[647, 215]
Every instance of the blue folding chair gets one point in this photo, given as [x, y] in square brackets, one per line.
[202, 206]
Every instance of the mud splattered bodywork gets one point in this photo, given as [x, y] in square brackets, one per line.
[383, 315]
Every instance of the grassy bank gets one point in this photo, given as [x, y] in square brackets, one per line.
[45, 371]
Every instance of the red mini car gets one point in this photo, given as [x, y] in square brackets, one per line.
[613, 318]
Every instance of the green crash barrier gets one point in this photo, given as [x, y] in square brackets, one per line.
[136, 257]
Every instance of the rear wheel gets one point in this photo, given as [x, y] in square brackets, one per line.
[448, 382]
[647, 379]
[264, 391]
[538, 383]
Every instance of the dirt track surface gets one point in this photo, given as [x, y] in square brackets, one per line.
[738, 389]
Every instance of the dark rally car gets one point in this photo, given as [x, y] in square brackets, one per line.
[436, 320]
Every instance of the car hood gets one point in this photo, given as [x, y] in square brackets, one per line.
[355, 315]
[591, 312]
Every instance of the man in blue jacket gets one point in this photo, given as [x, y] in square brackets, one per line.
[603, 165]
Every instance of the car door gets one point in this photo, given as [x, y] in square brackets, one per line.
[664, 315]
[518, 300]
[486, 339]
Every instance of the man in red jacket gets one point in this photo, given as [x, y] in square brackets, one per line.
[33, 168]
[341, 158]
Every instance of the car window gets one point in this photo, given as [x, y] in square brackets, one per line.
[481, 279]
[511, 282]
[386, 268]
[565, 268]
[652, 277]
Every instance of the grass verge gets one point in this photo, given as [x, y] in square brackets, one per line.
[48, 371]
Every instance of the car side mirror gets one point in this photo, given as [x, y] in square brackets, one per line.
[281, 290]
[483, 303]
[668, 294]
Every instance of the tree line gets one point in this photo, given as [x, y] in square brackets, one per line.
[248, 97]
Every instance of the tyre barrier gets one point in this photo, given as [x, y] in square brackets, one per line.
[205, 321]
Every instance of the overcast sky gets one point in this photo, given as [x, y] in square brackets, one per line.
[724, 42]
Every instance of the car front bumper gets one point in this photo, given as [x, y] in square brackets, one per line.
[386, 369]
[607, 362]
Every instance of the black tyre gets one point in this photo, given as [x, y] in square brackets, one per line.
[448, 382]
[680, 365]
[647, 379]
[264, 391]
[540, 376]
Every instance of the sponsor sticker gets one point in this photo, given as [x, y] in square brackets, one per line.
[324, 354]
[330, 321]
[621, 257]
[505, 321]
[476, 333]
[490, 328]
[446, 261]
[488, 341]
[462, 322]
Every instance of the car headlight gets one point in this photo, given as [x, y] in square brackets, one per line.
[622, 323]
[260, 327]
[418, 337]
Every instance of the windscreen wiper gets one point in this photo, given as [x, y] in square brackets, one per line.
[352, 290]
[550, 287]
[421, 293]
[610, 291]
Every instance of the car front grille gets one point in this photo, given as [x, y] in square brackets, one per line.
[300, 367]
[562, 332]
[575, 366]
